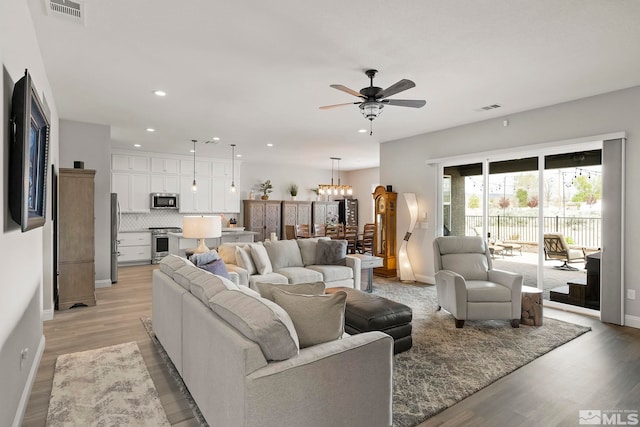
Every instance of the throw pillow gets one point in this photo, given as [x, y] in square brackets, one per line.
[260, 259]
[260, 320]
[265, 289]
[244, 260]
[216, 267]
[308, 249]
[331, 252]
[317, 318]
[204, 258]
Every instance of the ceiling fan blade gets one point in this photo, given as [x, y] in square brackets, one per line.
[413, 103]
[403, 84]
[327, 107]
[347, 90]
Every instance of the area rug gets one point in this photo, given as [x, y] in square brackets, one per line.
[445, 364]
[109, 386]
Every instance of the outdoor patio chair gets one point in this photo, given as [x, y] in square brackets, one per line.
[467, 285]
[555, 247]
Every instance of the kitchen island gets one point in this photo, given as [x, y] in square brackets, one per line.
[178, 244]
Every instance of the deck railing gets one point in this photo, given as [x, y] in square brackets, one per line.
[579, 231]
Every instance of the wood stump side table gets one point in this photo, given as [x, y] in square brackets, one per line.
[531, 306]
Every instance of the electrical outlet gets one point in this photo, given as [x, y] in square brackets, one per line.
[24, 354]
[631, 294]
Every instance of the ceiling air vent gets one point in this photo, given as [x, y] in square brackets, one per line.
[489, 107]
[66, 9]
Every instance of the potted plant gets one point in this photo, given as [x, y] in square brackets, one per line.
[293, 190]
[266, 188]
[316, 191]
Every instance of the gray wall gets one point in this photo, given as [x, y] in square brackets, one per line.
[91, 144]
[26, 261]
[597, 115]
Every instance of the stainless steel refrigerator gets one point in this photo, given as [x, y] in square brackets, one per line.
[115, 228]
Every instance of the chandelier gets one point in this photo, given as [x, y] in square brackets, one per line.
[332, 189]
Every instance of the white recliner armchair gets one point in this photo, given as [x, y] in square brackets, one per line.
[467, 285]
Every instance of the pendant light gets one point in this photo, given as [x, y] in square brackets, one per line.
[194, 187]
[332, 189]
[233, 168]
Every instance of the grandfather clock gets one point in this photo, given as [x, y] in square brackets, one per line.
[384, 240]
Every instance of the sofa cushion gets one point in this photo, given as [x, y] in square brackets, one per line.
[260, 259]
[244, 259]
[227, 251]
[206, 286]
[187, 274]
[331, 273]
[316, 288]
[171, 263]
[308, 249]
[267, 278]
[299, 275]
[483, 291]
[331, 252]
[317, 318]
[284, 253]
[471, 266]
[260, 320]
[216, 267]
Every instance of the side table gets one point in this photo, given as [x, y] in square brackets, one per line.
[369, 262]
[531, 306]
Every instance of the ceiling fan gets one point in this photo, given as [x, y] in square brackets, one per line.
[373, 98]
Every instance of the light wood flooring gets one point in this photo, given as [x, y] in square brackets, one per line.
[599, 370]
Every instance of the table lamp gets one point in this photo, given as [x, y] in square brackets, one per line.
[202, 227]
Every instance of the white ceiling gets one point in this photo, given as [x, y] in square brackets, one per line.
[255, 72]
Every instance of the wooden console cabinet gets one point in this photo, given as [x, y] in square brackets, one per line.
[76, 241]
[263, 217]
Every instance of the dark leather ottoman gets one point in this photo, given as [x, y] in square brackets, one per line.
[369, 312]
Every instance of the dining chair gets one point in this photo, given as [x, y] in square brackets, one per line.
[319, 230]
[367, 238]
[351, 236]
[302, 231]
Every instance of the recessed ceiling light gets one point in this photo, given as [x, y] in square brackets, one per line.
[215, 138]
[151, 130]
[137, 145]
[238, 155]
[269, 145]
[362, 130]
[159, 93]
[192, 151]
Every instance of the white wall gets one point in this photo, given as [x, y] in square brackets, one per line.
[597, 115]
[26, 261]
[91, 144]
[363, 181]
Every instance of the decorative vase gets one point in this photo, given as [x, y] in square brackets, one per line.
[264, 197]
[294, 198]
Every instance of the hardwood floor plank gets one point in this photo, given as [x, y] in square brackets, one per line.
[598, 370]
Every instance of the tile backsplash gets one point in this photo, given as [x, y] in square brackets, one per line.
[159, 218]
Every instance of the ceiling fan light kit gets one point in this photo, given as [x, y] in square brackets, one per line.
[373, 98]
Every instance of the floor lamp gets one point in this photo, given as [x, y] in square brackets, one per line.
[406, 272]
[202, 227]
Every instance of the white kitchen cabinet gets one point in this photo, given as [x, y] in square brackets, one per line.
[161, 165]
[134, 247]
[203, 167]
[165, 184]
[133, 191]
[200, 201]
[221, 169]
[223, 199]
[129, 163]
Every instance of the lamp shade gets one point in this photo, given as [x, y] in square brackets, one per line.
[202, 227]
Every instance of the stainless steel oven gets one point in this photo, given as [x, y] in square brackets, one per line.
[160, 242]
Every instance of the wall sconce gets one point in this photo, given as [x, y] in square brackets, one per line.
[406, 271]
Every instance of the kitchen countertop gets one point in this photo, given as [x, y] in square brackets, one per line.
[225, 232]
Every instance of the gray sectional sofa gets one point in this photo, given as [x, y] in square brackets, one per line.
[290, 261]
[201, 320]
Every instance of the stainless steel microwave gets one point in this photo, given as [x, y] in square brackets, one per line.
[165, 201]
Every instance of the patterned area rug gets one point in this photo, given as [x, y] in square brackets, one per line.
[109, 386]
[445, 364]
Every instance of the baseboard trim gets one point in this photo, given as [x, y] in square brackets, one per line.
[24, 399]
[632, 321]
[104, 283]
[47, 314]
